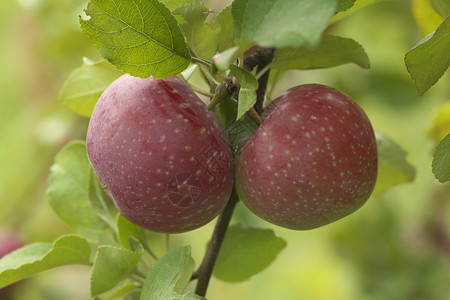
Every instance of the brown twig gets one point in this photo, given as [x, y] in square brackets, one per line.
[264, 57]
[220, 95]
[204, 271]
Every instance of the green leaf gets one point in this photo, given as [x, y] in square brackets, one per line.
[240, 131]
[111, 266]
[126, 229]
[281, 23]
[429, 60]
[224, 21]
[100, 201]
[38, 257]
[393, 169]
[85, 84]
[169, 275]
[206, 40]
[442, 7]
[246, 252]
[201, 37]
[332, 51]
[141, 37]
[134, 295]
[174, 4]
[344, 4]
[441, 160]
[68, 191]
[247, 92]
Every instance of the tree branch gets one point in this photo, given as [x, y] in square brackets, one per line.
[264, 57]
[204, 271]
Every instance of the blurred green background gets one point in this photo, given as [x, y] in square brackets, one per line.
[396, 247]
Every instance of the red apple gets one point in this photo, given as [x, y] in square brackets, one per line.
[8, 243]
[312, 161]
[160, 154]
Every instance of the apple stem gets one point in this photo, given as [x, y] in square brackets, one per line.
[167, 242]
[139, 278]
[207, 76]
[270, 89]
[198, 60]
[152, 254]
[200, 91]
[204, 271]
[263, 71]
[221, 94]
[255, 115]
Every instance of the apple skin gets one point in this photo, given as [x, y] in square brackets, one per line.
[160, 155]
[8, 243]
[311, 162]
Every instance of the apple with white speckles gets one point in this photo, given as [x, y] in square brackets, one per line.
[159, 154]
[312, 161]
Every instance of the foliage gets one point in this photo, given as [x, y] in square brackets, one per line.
[332, 51]
[393, 168]
[291, 23]
[68, 192]
[246, 252]
[126, 34]
[169, 276]
[428, 60]
[38, 257]
[86, 83]
[112, 265]
[441, 160]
